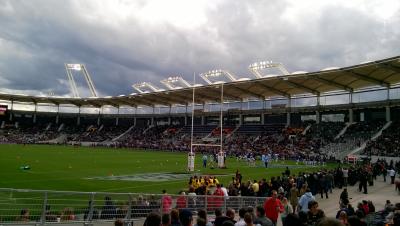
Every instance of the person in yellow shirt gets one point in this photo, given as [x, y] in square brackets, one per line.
[255, 187]
[216, 181]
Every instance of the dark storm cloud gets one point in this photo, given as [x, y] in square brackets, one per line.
[38, 37]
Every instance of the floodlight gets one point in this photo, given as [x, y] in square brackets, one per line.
[141, 87]
[256, 67]
[175, 82]
[76, 67]
[215, 74]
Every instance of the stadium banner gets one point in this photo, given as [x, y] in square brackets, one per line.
[3, 109]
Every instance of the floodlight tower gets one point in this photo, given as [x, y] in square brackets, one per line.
[175, 82]
[256, 67]
[217, 74]
[81, 68]
[141, 87]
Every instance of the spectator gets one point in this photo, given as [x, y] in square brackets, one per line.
[273, 207]
[186, 217]
[181, 201]
[260, 217]
[355, 221]
[109, 210]
[343, 218]
[203, 214]
[248, 218]
[294, 197]
[287, 208]
[241, 222]
[165, 220]
[305, 199]
[175, 218]
[314, 214]
[166, 201]
[153, 219]
[67, 214]
[24, 215]
[118, 222]
[330, 222]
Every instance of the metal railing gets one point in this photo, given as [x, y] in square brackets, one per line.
[40, 207]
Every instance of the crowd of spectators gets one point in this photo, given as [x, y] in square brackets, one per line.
[388, 144]
[318, 141]
[290, 197]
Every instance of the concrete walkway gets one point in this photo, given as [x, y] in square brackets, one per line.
[378, 194]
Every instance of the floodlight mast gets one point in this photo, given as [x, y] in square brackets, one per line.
[256, 67]
[71, 80]
[79, 67]
[89, 81]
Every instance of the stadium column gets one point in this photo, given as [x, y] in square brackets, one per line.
[58, 114]
[34, 113]
[117, 118]
[98, 117]
[351, 115]
[387, 113]
[203, 119]
[11, 111]
[134, 121]
[317, 114]
[78, 120]
[262, 118]
[289, 109]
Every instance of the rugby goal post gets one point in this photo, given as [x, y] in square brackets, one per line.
[191, 154]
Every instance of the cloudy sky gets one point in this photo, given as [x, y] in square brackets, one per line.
[122, 42]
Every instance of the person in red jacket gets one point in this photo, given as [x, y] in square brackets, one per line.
[181, 201]
[166, 202]
[273, 207]
[217, 199]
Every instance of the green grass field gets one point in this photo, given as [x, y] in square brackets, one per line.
[68, 168]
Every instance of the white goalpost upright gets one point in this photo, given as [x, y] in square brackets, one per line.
[221, 154]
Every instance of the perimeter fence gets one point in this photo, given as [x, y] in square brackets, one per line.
[41, 207]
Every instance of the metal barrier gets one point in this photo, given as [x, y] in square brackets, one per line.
[40, 207]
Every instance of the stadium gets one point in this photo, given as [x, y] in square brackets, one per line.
[62, 153]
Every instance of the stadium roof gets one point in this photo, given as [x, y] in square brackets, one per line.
[381, 73]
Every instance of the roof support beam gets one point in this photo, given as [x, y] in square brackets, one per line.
[390, 67]
[228, 96]
[159, 100]
[127, 103]
[274, 90]
[171, 100]
[94, 104]
[332, 83]
[259, 96]
[110, 103]
[367, 78]
[208, 97]
[300, 86]
[140, 100]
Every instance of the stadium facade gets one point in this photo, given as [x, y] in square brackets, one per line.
[363, 92]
